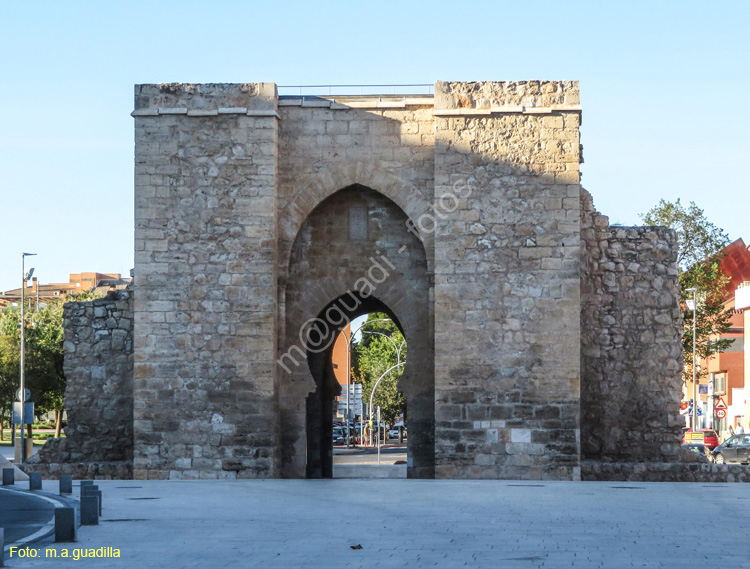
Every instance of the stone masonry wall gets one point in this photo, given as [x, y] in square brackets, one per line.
[530, 373]
[205, 256]
[687, 471]
[631, 329]
[98, 345]
[507, 276]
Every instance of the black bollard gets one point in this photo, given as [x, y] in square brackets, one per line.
[89, 510]
[35, 481]
[66, 484]
[93, 490]
[65, 525]
[9, 476]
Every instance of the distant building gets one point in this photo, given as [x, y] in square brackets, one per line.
[726, 381]
[742, 307]
[77, 283]
[339, 360]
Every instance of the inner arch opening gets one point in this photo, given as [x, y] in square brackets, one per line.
[321, 406]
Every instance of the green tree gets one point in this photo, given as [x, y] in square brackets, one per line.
[700, 245]
[698, 238]
[45, 378]
[9, 369]
[374, 354]
[45, 366]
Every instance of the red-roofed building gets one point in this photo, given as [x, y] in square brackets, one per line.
[727, 371]
[78, 282]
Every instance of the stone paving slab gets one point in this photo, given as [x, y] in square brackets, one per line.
[289, 524]
[369, 470]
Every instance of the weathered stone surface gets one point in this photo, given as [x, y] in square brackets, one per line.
[513, 289]
[98, 439]
[205, 253]
[631, 355]
[664, 471]
[489, 94]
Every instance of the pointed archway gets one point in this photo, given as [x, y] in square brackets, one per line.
[354, 254]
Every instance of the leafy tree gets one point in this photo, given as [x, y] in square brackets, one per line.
[9, 356]
[698, 238]
[374, 354]
[700, 245]
[45, 378]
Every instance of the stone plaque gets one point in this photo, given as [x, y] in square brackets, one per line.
[358, 223]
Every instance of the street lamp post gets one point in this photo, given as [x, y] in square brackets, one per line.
[398, 359]
[398, 363]
[372, 394]
[691, 304]
[22, 394]
[349, 365]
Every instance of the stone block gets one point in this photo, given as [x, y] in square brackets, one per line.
[520, 435]
[184, 463]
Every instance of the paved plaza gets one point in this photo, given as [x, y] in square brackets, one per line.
[310, 524]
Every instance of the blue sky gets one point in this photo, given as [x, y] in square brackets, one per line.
[664, 89]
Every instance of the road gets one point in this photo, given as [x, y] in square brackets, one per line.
[389, 454]
[23, 514]
[8, 452]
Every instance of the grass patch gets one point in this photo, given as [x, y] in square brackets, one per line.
[39, 438]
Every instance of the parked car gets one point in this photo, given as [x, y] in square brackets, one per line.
[707, 437]
[339, 435]
[698, 448]
[735, 449]
[393, 433]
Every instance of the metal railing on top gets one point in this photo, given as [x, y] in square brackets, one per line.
[328, 90]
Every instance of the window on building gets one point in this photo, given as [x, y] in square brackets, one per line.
[720, 383]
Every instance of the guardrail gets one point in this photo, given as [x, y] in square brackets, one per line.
[330, 90]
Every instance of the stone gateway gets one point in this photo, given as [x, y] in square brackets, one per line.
[543, 343]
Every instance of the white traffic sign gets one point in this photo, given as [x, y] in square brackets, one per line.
[721, 413]
[720, 404]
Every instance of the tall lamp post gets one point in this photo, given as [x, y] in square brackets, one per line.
[372, 394]
[398, 363]
[22, 392]
[692, 305]
[349, 365]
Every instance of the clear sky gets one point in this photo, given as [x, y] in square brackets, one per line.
[664, 89]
